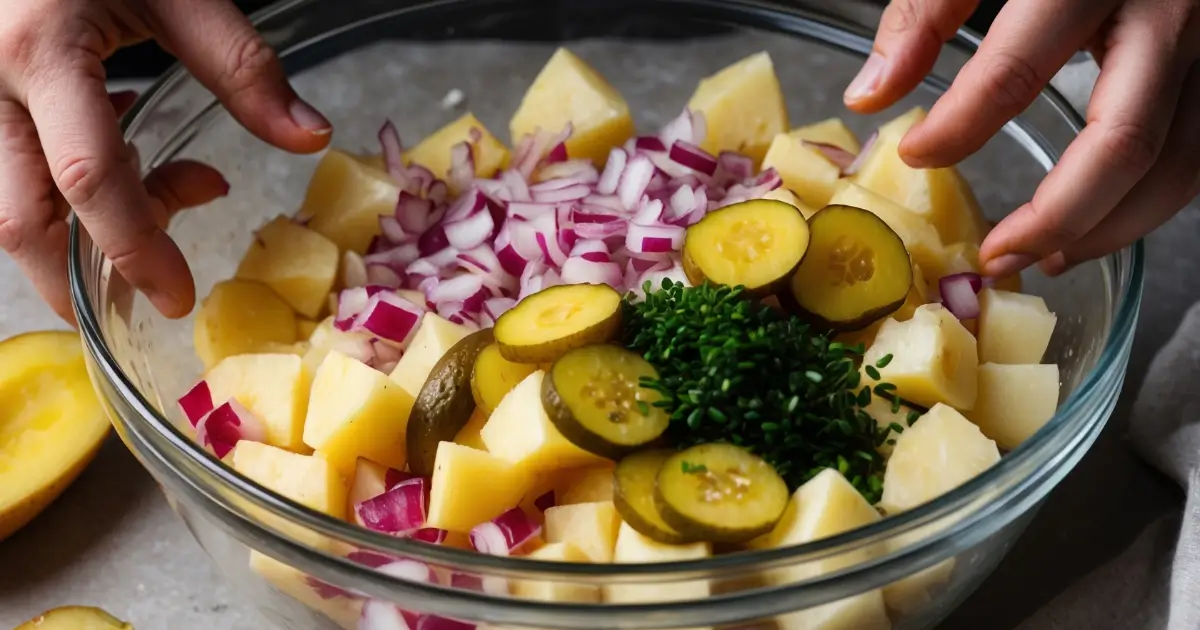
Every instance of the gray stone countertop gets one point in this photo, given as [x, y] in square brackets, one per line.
[112, 541]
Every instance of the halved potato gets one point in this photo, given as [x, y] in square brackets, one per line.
[75, 618]
[51, 423]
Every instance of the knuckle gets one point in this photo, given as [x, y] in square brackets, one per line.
[1011, 82]
[18, 39]
[250, 59]
[1134, 146]
[12, 233]
[80, 179]
[123, 254]
[1056, 228]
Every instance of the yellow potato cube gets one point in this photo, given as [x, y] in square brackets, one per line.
[296, 262]
[941, 195]
[934, 358]
[469, 434]
[881, 412]
[635, 548]
[470, 487]
[590, 526]
[743, 107]
[306, 479]
[273, 387]
[346, 196]
[433, 153]
[1015, 401]
[305, 328]
[920, 237]
[829, 131]
[434, 337]
[593, 484]
[910, 594]
[568, 90]
[344, 611]
[520, 431]
[556, 591]
[241, 317]
[865, 611]
[803, 169]
[1014, 328]
[964, 258]
[939, 452]
[355, 411]
[787, 196]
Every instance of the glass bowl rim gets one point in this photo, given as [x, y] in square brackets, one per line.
[1036, 449]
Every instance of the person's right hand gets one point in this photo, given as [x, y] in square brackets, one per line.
[61, 148]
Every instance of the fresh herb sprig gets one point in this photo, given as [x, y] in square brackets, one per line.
[733, 370]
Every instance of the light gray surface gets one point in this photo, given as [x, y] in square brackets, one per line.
[112, 541]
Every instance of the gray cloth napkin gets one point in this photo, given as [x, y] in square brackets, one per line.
[1155, 583]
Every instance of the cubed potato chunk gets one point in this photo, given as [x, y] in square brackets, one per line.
[865, 611]
[920, 237]
[592, 527]
[273, 387]
[593, 484]
[305, 328]
[804, 169]
[934, 359]
[369, 481]
[789, 197]
[1014, 328]
[1015, 401]
[910, 594]
[829, 131]
[433, 153]
[344, 611]
[469, 434]
[557, 591]
[568, 90]
[346, 196]
[743, 107]
[939, 452]
[306, 479]
[296, 262]
[470, 487]
[434, 337]
[520, 431]
[633, 547]
[964, 258]
[881, 412]
[355, 411]
[241, 317]
[941, 194]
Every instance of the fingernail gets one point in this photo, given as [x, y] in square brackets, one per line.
[165, 303]
[224, 187]
[868, 78]
[1008, 264]
[304, 115]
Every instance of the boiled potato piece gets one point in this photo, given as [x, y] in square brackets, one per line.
[458, 498]
[593, 484]
[920, 237]
[273, 387]
[592, 527]
[557, 591]
[633, 547]
[51, 423]
[804, 169]
[355, 411]
[829, 131]
[1013, 328]
[934, 358]
[881, 412]
[434, 337]
[240, 317]
[75, 618]
[941, 195]
[964, 258]
[346, 196]
[743, 106]
[305, 328]
[909, 595]
[297, 263]
[790, 198]
[469, 434]
[344, 611]
[568, 90]
[309, 480]
[521, 432]
[1015, 401]
[939, 452]
[865, 611]
[489, 154]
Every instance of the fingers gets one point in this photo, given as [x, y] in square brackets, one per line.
[1170, 185]
[30, 230]
[911, 34]
[91, 167]
[1131, 108]
[222, 49]
[180, 185]
[122, 101]
[1027, 44]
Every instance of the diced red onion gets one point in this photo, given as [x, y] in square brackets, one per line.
[557, 154]
[412, 213]
[430, 535]
[383, 275]
[634, 181]
[528, 211]
[648, 239]
[325, 590]
[601, 231]
[434, 622]
[693, 157]
[589, 213]
[656, 276]
[354, 270]
[649, 213]
[736, 166]
[351, 302]
[467, 205]
[471, 231]
[390, 317]
[371, 480]
[518, 186]
[495, 307]
[559, 195]
[832, 152]
[385, 353]
[689, 126]
[959, 294]
[400, 510]
[380, 615]
[393, 153]
[432, 240]
[223, 427]
[852, 169]
[584, 247]
[571, 171]
[462, 165]
[456, 289]
[611, 177]
[392, 230]
[196, 403]
[505, 534]
[544, 502]
[397, 258]
[551, 250]
[583, 271]
[649, 143]
[512, 262]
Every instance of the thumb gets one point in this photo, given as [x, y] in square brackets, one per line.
[225, 53]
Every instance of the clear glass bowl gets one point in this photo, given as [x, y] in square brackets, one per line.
[364, 60]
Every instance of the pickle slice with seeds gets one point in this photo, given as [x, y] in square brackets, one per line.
[756, 244]
[549, 323]
[634, 496]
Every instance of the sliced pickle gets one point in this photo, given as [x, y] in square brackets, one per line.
[593, 396]
[856, 271]
[547, 324]
[720, 493]
[634, 496]
[494, 376]
[756, 244]
[445, 403]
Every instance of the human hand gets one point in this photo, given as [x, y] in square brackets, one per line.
[1134, 166]
[61, 148]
